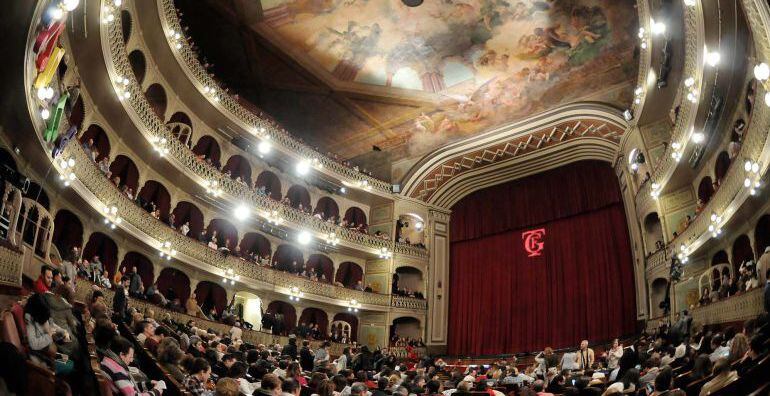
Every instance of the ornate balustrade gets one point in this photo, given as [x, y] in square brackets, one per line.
[135, 218]
[693, 67]
[656, 262]
[254, 337]
[140, 109]
[188, 59]
[737, 308]
[11, 265]
[408, 302]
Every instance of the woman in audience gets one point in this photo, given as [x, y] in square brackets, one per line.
[43, 335]
[197, 381]
[238, 372]
[295, 372]
[738, 347]
[115, 365]
[169, 357]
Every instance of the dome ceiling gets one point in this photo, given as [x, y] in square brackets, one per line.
[409, 80]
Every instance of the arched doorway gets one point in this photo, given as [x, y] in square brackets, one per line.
[762, 235]
[142, 264]
[155, 193]
[327, 207]
[406, 327]
[352, 322]
[126, 172]
[321, 265]
[653, 232]
[288, 258]
[298, 195]
[355, 215]
[105, 248]
[138, 65]
[36, 193]
[658, 289]
[125, 24]
[255, 243]
[156, 97]
[248, 307]
[271, 183]
[98, 140]
[408, 282]
[741, 251]
[173, 283]
[349, 274]
[78, 113]
[721, 166]
[187, 212]
[67, 232]
[720, 257]
[285, 314]
[315, 316]
[238, 167]
[208, 147]
[227, 234]
[705, 190]
[210, 294]
[180, 125]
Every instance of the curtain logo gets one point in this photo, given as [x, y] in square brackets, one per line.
[533, 241]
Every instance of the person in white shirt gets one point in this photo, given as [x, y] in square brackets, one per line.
[568, 361]
[185, 228]
[614, 354]
[235, 332]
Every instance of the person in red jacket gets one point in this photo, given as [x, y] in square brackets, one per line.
[43, 282]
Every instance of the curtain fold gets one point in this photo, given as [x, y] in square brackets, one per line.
[580, 287]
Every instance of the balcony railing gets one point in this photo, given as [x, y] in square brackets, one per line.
[656, 261]
[737, 308]
[188, 59]
[408, 302]
[11, 265]
[189, 250]
[184, 158]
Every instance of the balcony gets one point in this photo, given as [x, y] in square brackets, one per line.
[656, 262]
[251, 122]
[734, 309]
[408, 302]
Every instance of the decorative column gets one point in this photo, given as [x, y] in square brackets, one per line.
[438, 290]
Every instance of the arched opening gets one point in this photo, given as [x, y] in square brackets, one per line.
[720, 257]
[36, 193]
[156, 97]
[762, 234]
[355, 216]
[248, 307]
[102, 246]
[124, 173]
[283, 315]
[705, 190]
[138, 65]
[653, 232]
[351, 320]
[327, 208]
[315, 316]
[742, 251]
[97, 139]
[173, 283]
[238, 166]
[125, 24]
[288, 258]
[155, 196]
[181, 127]
[257, 244]
[78, 113]
[322, 266]
[211, 295]
[186, 212]
[226, 233]
[721, 166]
[208, 147]
[271, 183]
[67, 232]
[349, 274]
[406, 327]
[658, 289]
[407, 281]
[134, 261]
[410, 229]
[298, 196]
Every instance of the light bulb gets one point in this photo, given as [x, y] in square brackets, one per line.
[44, 114]
[713, 58]
[264, 147]
[303, 167]
[70, 5]
[242, 212]
[304, 237]
[698, 137]
[762, 71]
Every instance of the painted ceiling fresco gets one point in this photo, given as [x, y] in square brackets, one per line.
[484, 62]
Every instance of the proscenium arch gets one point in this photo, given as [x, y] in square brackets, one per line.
[602, 145]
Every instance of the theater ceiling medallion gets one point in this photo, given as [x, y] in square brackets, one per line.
[518, 146]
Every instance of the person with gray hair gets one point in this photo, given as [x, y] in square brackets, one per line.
[401, 391]
[359, 389]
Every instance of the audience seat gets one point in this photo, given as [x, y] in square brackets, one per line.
[40, 380]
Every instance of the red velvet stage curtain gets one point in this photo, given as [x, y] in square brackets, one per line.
[581, 286]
